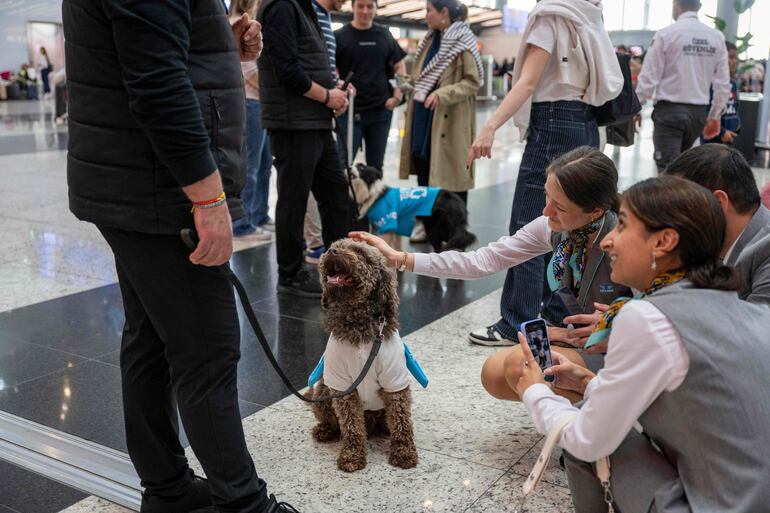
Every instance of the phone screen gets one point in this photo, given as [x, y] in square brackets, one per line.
[536, 333]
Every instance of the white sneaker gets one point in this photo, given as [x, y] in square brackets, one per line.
[269, 226]
[418, 233]
[250, 240]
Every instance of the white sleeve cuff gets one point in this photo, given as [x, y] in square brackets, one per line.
[590, 387]
[421, 263]
[534, 393]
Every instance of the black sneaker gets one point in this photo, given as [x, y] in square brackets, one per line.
[273, 506]
[490, 336]
[302, 284]
[197, 499]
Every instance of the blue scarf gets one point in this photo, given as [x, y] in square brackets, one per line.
[571, 251]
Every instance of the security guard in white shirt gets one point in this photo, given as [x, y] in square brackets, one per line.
[684, 59]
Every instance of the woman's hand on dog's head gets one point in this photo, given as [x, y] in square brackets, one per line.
[391, 255]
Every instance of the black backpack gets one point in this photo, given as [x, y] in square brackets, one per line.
[626, 105]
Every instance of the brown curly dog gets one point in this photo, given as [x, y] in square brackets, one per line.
[359, 293]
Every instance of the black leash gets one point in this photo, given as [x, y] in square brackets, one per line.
[190, 238]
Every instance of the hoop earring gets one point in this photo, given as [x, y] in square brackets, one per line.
[654, 265]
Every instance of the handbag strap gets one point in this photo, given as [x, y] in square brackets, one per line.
[602, 465]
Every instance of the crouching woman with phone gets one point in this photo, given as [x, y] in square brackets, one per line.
[686, 364]
[581, 201]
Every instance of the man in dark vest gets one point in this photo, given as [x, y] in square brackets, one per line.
[299, 100]
[156, 106]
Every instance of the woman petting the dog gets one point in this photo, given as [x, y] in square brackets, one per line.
[565, 65]
[686, 366]
[581, 201]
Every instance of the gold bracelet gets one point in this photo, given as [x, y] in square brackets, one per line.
[402, 267]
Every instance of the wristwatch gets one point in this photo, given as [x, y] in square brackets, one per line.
[402, 267]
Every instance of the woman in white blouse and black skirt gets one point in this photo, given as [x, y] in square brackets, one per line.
[687, 366]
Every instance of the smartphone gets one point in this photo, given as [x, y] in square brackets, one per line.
[536, 333]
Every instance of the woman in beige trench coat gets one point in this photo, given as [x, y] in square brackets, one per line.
[453, 104]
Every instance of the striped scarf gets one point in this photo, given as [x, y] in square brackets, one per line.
[604, 327]
[325, 22]
[456, 39]
[574, 245]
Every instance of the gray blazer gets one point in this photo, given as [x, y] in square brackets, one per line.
[751, 256]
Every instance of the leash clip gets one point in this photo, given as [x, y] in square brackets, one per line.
[382, 324]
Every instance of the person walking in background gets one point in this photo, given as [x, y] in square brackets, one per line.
[730, 124]
[157, 128]
[45, 69]
[374, 56]
[685, 59]
[441, 116]
[28, 81]
[555, 87]
[299, 99]
[259, 161]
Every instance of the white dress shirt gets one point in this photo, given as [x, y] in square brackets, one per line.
[645, 357]
[684, 59]
[530, 241]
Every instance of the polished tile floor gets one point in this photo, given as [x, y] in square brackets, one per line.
[61, 318]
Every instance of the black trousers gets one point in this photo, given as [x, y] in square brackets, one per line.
[307, 160]
[676, 127]
[180, 348]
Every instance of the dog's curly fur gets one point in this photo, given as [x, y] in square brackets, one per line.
[365, 293]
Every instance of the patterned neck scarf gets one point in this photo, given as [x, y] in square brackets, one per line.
[574, 245]
[603, 329]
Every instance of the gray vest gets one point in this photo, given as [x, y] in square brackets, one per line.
[596, 285]
[715, 427]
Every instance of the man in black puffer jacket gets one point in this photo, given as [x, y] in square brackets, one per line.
[299, 98]
[156, 120]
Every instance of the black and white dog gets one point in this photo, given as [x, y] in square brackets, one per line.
[392, 211]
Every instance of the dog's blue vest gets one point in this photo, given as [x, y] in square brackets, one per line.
[396, 209]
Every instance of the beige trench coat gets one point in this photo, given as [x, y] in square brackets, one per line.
[453, 128]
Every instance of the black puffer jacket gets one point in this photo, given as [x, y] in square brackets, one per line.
[156, 102]
[282, 108]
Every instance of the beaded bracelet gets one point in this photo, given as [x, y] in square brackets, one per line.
[209, 203]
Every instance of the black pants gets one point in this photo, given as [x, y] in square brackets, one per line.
[180, 348]
[676, 127]
[307, 160]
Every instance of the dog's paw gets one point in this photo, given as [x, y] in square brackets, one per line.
[403, 456]
[350, 463]
[325, 434]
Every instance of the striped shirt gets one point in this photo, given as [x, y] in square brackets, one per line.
[325, 20]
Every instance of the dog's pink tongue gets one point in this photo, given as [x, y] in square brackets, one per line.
[335, 280]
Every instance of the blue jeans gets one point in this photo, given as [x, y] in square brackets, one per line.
[259, 162]
[373, 127]
[555, 128]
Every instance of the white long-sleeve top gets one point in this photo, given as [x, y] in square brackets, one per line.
[684, 59]
[645, 357]
[530, 241]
